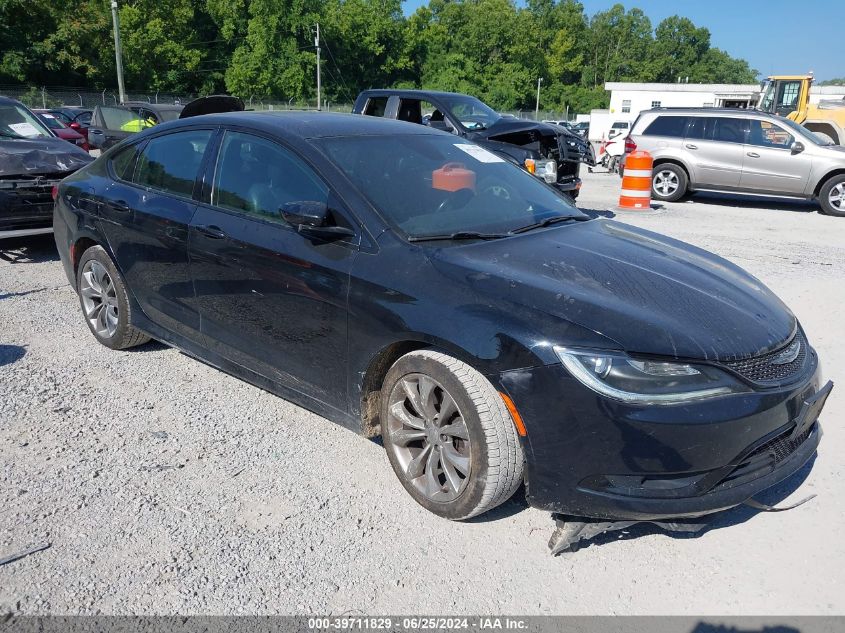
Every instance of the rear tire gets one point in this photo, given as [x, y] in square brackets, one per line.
[460, 465]
[668, 182]
[104, 302]
[832, 196]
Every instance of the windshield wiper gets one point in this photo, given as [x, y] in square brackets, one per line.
[548, 222]
[10, 134]
[459, 235]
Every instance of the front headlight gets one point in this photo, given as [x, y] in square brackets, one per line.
[620, 377]
[545, 168]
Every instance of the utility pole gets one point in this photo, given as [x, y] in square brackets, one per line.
[537, 107]
[118, 53]
[317, 45]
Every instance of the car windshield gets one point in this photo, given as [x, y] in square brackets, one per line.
[18, 122]
[800, 130]
[472, 113]
[437, 185]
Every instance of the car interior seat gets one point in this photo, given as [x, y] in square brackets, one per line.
[410, 111]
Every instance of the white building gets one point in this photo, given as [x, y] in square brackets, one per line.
[627, 100]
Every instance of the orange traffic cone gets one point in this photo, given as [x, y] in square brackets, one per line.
[636, 182]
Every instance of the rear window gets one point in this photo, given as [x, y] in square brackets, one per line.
[674, 126]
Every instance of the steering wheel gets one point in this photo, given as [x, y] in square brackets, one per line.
[459, 198]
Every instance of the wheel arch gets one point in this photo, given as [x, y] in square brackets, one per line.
[81, 244]
[821, 183]
[674, 161]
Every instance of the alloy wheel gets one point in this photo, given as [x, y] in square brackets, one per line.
[836, 197]
[666, 182]
[429, 437]
[99, 299]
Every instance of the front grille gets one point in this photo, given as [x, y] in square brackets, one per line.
[779, 448]
[761, 368]
[766, 456]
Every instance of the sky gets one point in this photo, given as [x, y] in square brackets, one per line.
[776, 36]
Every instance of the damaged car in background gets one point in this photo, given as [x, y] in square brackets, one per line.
[550, 152]
[407, 283]
[32, 162]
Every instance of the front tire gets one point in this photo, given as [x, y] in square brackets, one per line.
[668, 182]
[832, 196]
[448, 436]
[105, 304]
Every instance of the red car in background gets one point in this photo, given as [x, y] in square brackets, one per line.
[61, 130]
[78, 118]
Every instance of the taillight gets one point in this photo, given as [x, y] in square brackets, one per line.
[630, 146]
[55, 192]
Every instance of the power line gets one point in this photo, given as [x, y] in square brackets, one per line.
[339, 72]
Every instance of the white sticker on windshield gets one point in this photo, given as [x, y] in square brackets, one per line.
[479, 153]
[24, 129]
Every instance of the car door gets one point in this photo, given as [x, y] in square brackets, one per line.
[715, 146]
[271, 299]
[110, 125]
[772, 163]
[145, 215]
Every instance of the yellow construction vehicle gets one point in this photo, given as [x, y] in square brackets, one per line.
[789, 96]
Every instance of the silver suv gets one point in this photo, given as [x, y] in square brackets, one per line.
[738, 151]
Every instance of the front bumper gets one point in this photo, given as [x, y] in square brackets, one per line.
[593, 457]
[26, 206]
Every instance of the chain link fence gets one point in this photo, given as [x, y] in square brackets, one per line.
[54, 96]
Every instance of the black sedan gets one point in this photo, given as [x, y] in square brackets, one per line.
[410, 284]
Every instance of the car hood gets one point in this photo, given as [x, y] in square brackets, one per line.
[647, 292]
[533, 134]
[40, 156]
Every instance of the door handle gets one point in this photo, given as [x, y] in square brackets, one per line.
[753, 155]
[691, 146]
[214, 232]
[120, 206]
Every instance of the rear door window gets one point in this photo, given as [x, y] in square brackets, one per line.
[120, 119]
[171, 163]
[376, 106]
[123, 163]
[673, 126]
[729, 130]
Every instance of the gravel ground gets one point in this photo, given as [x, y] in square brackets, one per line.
[165, 486]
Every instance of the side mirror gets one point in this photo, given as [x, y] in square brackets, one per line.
[798, 147]
[312, 218]
[74, 125]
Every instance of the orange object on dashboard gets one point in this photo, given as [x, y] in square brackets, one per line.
[453, 177]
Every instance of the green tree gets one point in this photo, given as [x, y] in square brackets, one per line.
[679, 48]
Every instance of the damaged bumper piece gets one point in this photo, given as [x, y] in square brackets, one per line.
[596, 458]
[26, 205]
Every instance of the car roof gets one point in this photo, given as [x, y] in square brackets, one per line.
[387, 92]
[310, 124]
[150, 106]
[710, 111]
[4, 99]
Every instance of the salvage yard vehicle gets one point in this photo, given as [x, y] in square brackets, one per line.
[61, 130]
[32, 162]
[741, 152]
[112, 124]
[548, 151]
[410, 284]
